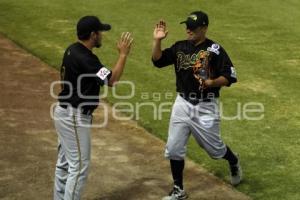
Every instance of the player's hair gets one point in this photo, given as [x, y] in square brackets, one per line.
[85, 36]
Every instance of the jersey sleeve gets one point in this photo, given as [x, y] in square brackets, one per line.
[167, 58]
[94, 68]
[224, 66]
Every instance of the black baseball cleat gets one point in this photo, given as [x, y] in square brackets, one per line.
[176, 194]
[236, 173]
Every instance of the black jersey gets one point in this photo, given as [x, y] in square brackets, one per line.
[82, 74]
[187, 58]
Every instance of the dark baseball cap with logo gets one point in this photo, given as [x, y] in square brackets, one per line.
[196, 19]
[88, 24]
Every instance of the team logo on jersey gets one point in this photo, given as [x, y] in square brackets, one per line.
[198, 62]
[200, 67]
[184, 61]
[214, 48]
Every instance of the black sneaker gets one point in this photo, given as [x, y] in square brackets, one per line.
[176, 194]
[236, 173]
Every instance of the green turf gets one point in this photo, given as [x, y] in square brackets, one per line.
[262, 38]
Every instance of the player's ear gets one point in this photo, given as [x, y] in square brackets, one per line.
[93, 35]
[204, 29]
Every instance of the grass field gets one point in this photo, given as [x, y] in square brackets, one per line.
[261, 37]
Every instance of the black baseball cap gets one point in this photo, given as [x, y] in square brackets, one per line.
[88, 24]
[196, 19]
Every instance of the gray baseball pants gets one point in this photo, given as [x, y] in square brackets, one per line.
[202, 121]
[74, 150]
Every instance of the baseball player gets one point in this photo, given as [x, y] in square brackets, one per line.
[202, 67]
[82, 74]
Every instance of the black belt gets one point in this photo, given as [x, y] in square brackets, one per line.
[195, 101]
[84, 111]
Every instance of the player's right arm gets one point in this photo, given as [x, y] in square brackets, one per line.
[124, 46]
[161, 58]
[103, 76]
[160, 32]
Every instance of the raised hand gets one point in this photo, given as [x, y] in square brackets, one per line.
[124, 44]
[160, 32]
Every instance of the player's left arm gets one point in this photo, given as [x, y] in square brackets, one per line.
[218, 82]
[226, 74]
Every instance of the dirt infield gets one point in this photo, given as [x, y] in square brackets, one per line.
[127, 162]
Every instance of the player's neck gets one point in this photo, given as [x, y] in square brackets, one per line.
[87, 44]
[201, 40]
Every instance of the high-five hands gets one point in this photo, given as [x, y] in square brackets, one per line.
[124, 44]
[160, 31]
